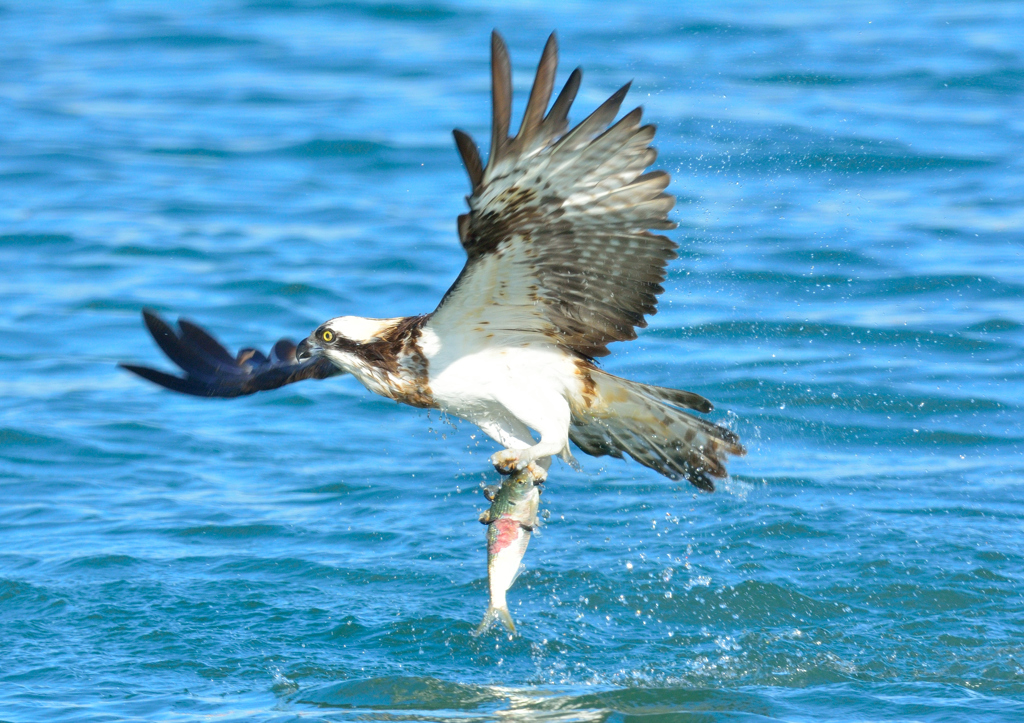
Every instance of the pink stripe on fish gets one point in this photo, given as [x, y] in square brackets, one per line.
[508, 532]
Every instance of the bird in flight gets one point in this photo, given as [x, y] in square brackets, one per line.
[560, 263]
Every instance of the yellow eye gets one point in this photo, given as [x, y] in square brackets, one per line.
[327, 335]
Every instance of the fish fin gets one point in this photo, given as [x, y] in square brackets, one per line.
[506, 618]
[518, 573]
[493, 614]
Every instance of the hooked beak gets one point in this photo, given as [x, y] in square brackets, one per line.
[306, 350]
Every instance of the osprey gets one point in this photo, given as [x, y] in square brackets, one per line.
[560, 263]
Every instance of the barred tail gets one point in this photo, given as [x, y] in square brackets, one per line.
[644, 422]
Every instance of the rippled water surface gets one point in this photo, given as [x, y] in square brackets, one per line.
[849, 293]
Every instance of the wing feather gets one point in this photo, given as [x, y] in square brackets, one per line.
[593, 124]
[470, 157]
[198, 337]
[501, 101]
[557, 119]
[540, 95]
[211, 371]
[557, 233]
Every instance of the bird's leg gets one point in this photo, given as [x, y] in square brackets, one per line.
[538, 470]
[536, 459]
[506, 460]
[519, 453]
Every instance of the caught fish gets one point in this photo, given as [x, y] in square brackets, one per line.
[510, 521]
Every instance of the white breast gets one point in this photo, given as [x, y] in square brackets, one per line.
[507, 389]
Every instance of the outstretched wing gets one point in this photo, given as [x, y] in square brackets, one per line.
[211, 371]
[557, 234]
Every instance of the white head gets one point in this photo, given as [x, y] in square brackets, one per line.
[358, 329]
[346, 341]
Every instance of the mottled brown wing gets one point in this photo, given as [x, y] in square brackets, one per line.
[211, 371]
[557, 233]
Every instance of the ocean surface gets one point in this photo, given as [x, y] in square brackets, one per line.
[849, 294]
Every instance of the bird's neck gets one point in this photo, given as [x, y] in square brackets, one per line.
[391, 363]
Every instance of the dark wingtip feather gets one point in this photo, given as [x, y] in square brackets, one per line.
[283, 351]
[617, 97]
[501, 97]
[701, 481]
[597, 121]
[163, 335]
[470, 157]
[540, 94]
[558, 117]
[168, 381]
[211, 371]
[155, 323]
[201, 338]
[607, 111]
[192, 358]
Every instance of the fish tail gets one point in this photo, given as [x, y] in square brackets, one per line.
[494, 614]
[506, 619]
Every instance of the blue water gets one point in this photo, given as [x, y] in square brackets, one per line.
[849, 293]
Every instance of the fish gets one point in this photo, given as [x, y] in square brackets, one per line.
[510, 520]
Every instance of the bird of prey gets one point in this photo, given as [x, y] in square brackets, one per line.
[560, 263]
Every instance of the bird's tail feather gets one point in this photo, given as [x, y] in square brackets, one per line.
[645, 422]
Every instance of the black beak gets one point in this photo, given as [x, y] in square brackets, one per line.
[304, 350]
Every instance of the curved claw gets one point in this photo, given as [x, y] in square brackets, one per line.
[537, 473]
[507, 461]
